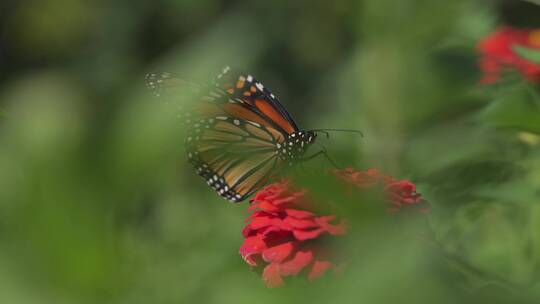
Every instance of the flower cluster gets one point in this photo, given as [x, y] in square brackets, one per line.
[498, 53]
[286, 236]
[399, 193]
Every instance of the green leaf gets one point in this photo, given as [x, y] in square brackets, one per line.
[514, 109]
[528, 53]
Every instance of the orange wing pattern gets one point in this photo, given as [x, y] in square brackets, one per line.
[258, 99]
[235, 156]
[237, 133]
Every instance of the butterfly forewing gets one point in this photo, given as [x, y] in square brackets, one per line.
[257, 98]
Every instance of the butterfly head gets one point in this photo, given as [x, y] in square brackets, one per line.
[295, 145]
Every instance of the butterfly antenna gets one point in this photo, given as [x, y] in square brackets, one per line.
[324, 132]
[337, 130]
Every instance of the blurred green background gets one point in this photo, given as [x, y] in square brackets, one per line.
[97, 204]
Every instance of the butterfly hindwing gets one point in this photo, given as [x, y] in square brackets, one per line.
[234, 156]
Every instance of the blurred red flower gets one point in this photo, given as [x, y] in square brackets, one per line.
[399, 193]
[498, 53]
[286, 235]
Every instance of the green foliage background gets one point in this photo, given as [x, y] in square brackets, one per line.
[97, 204]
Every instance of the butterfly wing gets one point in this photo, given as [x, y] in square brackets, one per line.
[257, 98]
[161, 84]
[235, 156]
[234, 94]
[234, 132]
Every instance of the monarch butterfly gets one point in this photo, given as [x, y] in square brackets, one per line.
[239, 134]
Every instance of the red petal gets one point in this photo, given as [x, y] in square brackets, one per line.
[278, 253]
[266, 221]
[296, 264]
[300, 224]
[255, 214]
[303, 235]
[261, 222]
[319, 269]
[272, 277]
[284, 200]
[326, 218]
[247, 231]
[338, 229]
[253, 205]
[299, 214]
[265, 231]
[268, 207]
[252, 245]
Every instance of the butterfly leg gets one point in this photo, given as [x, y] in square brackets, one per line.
[325, 153]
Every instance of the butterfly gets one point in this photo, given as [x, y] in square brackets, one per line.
[238, 134]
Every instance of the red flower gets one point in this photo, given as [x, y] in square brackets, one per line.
[399, 193]
[285, 235]
[498, 53]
